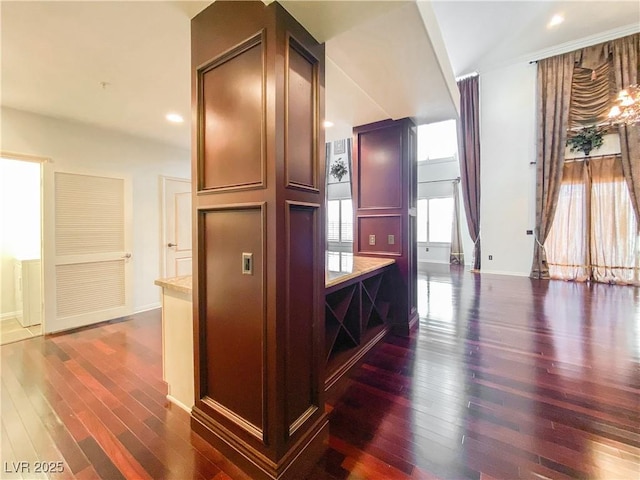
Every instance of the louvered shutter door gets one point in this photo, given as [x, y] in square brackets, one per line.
[90, 246]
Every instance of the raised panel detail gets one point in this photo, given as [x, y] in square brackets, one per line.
[380, 168]
[235, 312]
[232, 115]
[302, 244]
[183, 266]
[381, 226]
[300, 128]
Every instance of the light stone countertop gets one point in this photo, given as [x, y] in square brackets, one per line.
[360, 266]
[350, 267]
[179, 284]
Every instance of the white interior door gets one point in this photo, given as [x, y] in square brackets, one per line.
[176, 236]
[91, 274]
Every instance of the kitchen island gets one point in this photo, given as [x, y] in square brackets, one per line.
[358, 305]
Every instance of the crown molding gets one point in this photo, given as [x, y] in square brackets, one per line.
[566, 47]
[583, 42]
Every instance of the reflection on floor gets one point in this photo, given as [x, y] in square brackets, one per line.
[505, 378]
[11, 331]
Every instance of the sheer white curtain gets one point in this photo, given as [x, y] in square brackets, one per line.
[594, 235]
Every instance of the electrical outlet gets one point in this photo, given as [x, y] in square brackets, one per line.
[391, 239]
[529, 232]
[426, 249]
[372, 239]
[490, 257]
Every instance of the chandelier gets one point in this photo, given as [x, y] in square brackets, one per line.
[626, 108]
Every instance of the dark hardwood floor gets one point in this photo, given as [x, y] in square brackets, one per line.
[505, 378]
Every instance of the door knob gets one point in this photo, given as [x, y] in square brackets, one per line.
[172, 244]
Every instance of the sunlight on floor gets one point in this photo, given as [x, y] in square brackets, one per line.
[435, 300]
[11, 331]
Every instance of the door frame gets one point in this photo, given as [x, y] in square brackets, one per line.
[43, 161]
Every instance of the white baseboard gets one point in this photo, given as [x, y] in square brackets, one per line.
[501, 272]
[10, 315]
[444, 262]
[179, 404]
[146, 308]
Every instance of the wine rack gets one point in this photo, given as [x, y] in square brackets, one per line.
[357, 315]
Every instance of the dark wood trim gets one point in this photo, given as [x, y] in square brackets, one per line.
[286, 441]
[258, 39]
[293, 43]
[396, 143]
[314, 405]
[203, 402]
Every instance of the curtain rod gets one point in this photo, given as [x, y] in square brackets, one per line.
[466, 75]
[582, 159]
[457, 179]
[591, 157]
[540, 59]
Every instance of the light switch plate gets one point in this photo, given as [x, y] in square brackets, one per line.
[247, 263]
[372, 239]
[391, 239]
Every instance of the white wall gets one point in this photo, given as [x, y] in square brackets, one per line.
[507, 143]
[84, 148]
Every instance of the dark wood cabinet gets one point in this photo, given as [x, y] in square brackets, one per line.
[258, 170]
[385, 207]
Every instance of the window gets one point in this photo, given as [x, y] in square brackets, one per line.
[435, 217]
[340, 220]
[340, 262]
[594, 235]
[437, 141]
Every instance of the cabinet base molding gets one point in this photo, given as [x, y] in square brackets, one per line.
[295, 464]
[404, 329]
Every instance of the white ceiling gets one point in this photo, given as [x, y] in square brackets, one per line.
[55, 54]
[382, 61]
[385, 59]
[483, 35]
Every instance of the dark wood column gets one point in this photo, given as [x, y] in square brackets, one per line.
[258, 170]
[385, 203]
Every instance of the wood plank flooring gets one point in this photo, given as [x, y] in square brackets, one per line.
[12, 331]
[505, 378]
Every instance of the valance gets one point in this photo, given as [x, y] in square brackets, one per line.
[594, 85]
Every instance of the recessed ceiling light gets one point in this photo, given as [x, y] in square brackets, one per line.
[556, 20]
[328, 124]
[174, 118]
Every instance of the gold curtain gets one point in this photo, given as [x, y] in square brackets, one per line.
[591, 94]
[626, 67]
[456, 255]
[597, 73]
[555, 75]
[594, 235]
